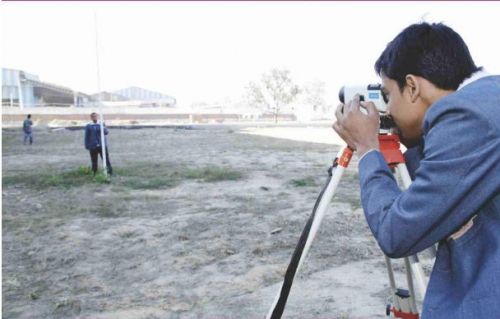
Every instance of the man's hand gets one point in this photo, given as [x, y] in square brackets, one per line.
[358, 130]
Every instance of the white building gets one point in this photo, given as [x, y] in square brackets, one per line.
[23, 89]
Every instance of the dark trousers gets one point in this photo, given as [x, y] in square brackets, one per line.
[28, 136]
[93, 157]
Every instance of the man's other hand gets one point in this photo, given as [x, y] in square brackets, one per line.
[358, 130]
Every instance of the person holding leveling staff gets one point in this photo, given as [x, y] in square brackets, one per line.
[94, 145]
[447, 112]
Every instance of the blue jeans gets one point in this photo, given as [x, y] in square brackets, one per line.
[28, 135]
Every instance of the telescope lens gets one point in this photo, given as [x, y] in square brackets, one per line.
[341, 94]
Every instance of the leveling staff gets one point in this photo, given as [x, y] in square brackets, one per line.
[448, 111]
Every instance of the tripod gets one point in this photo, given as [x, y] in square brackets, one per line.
[404, 301]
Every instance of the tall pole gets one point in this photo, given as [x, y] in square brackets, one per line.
[103, 139]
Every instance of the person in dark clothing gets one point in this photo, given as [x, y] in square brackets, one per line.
[93, 143]
[28, 132]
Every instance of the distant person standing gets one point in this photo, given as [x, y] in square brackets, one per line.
[28, 132]
[93, 143]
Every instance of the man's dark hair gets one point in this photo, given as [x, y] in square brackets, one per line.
[93, 113]
[29, 116]
[433, 51]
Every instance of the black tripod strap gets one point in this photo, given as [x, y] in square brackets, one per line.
[297, 254]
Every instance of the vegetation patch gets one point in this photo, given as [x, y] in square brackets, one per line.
[213, 174]
[65, 179]
[136, 177]
[303, 182]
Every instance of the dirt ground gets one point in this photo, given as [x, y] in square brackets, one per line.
[166, 239]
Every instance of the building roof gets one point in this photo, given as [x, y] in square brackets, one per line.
[137, 93]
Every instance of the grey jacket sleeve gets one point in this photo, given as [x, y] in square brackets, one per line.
[87, 137]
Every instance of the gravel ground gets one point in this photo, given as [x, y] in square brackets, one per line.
[160, 242]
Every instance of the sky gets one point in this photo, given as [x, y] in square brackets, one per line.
[210, 51]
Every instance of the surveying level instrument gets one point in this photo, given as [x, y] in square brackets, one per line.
[368, 93]
[404, 300]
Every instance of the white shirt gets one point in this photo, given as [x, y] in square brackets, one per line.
[474, 77]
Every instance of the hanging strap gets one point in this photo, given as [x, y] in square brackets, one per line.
[297, 254]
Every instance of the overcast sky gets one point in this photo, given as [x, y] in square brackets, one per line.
[209, 51]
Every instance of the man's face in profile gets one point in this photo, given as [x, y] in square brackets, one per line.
[93, 117]
[407, 115]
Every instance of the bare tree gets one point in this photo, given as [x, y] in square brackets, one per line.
[275, 90]
[314, 95]
[255, 97]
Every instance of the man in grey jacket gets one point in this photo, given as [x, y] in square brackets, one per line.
[447, 110]
[94, 145]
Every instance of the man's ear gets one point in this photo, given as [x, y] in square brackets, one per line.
[414, 86]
